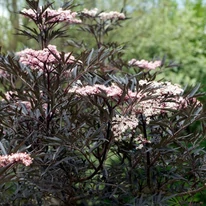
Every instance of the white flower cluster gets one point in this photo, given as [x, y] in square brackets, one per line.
[122, 123]
[111, 15]
[163, 96]
[149, 65]
[104, 15]
[91, 13]
[123, 127]
[140, 141]
[163, 88]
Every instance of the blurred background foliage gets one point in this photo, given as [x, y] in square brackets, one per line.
[175, 29]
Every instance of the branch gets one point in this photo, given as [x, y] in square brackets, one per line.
[191, 192]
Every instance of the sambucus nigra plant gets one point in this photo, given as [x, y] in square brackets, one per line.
[97, 134]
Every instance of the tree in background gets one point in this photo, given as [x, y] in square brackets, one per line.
[166, 29]
[11, 22]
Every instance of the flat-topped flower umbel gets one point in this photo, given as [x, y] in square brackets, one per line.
[53, 16]
[41, 59]
[149, 65]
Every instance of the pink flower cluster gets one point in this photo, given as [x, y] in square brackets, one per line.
[23, 158]
[157, 88]
[153, 98]
[59, 15]
[145, 64]
[112, 91]
[38, 59]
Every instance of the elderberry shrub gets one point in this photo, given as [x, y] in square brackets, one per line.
[100, 130]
